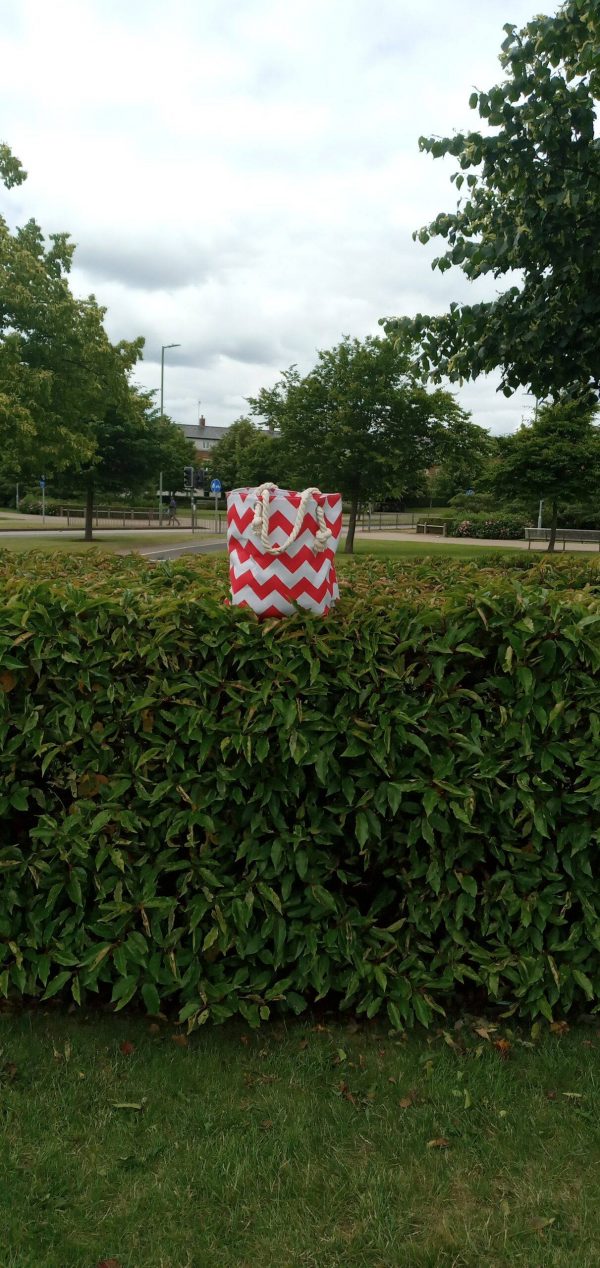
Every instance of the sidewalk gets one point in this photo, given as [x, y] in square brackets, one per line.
[394, 535]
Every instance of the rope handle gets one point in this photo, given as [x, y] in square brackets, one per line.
[260, 523]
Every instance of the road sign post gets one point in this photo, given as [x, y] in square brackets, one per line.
[43, 488]
[216, 488]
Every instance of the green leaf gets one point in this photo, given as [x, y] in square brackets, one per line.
[151, 998]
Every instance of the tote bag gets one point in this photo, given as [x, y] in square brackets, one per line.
[282, 546]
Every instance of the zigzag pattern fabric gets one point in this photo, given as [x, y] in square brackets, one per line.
[276, 585]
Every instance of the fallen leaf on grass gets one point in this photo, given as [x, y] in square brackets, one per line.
[266, 1124]
[550, 1096]
[127, 1048]
[302, 1045]
[128, 1105]
[538, 1223]
[154, 1028]
[502, 1047]
[484, 1032]
[405, 1102]
[8, 1071]
[346, 1093]
[440, 1142]
[108, 1263]
[559, 1027]
[245, 1039]
[180, 1040]
[573, 1096]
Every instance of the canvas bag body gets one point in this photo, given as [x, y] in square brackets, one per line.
[273, 585]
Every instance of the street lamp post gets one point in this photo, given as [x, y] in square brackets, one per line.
[162, 371]
[164, 346]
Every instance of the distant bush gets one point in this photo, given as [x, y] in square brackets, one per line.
[31, 504]
[382, 809]
[487, 525]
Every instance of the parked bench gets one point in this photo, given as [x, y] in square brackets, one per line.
[432, 528]
[563, 535]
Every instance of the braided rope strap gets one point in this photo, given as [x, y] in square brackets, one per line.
[260, 523]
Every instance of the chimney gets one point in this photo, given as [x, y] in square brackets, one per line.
[202, 422]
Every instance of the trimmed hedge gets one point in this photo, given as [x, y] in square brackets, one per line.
[485, 524]
[384, 809]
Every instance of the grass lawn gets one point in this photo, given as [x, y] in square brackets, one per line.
[312, 1146]
[72, 544]
[419, 547]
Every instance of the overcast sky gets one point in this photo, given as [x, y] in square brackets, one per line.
[243, 177]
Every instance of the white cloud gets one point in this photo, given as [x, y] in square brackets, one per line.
[244, 179]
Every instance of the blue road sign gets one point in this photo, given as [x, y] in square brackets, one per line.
[42, 484]
[216, 486]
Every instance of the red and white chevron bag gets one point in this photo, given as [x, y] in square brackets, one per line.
[281, 549]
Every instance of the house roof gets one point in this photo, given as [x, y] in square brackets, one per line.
[193, 432]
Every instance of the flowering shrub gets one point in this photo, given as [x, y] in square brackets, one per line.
[508, 527]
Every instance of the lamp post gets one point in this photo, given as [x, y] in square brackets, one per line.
[162, 371]
[164, 346]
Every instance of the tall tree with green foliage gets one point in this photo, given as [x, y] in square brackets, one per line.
[360, 423]
[532, 208]
[132, 447]
[556, 457]
[247, 455]
[59, 373]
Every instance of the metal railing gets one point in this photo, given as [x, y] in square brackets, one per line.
[563, 535]
[371, 521]
[69, 517]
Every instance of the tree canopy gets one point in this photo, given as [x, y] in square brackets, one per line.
[246, 456]
[531, 212]
[360, 423]
[67, 401]
[556, 457]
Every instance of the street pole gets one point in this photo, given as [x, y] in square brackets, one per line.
[216, 512]
[160, 501]
[540, 514]
[44, 505]
[17, 499]
[162, 372]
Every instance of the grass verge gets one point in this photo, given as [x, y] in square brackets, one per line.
[71, 544]
[313, 1145]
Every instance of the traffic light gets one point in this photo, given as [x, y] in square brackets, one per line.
[188, 478]
[199, 479]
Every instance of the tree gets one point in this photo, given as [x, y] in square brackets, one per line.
[247, 455]
[464, 453]
[557, 456]
[60, 376]
[359, 423]
[532, 206]
[132, 446]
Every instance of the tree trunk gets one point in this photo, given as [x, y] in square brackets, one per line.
[553, 524]
[89, 511]
[352, 525]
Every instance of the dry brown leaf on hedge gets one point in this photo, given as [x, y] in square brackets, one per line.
[7, 681]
